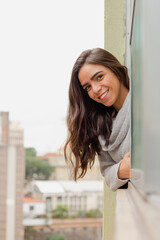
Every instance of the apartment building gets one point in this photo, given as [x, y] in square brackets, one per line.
[12, 164]
[16, 134]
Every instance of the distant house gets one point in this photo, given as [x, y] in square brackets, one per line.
[33, 207]
[57, 160]
[81, 195]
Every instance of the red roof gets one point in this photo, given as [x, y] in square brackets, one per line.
[31, 200]
[47, 155]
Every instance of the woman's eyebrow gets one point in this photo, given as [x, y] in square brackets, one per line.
[95, 75]
[84, 84]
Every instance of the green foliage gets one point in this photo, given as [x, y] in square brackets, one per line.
[60, 212]
[93, 213]
[55, 237]
[36, 168]
[31, 152]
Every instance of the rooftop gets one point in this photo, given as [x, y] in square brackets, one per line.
[47, 155]
[49, 186]
[31, 200]
[69, 186]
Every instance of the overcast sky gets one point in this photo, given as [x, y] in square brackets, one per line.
[39, 43]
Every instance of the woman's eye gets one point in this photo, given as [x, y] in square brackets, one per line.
[87, 88]
[99, 77]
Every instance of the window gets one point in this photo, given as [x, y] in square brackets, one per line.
[59, 199]
[145, 50]
[31, 208]
[99, 202]
[48, 204]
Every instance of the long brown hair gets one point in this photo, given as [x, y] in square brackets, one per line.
[86, 118]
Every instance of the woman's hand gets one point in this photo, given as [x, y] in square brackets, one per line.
[124, 167]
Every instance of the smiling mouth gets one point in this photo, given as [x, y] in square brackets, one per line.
[104, 94]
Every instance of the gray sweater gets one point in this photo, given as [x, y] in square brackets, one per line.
[119, 145]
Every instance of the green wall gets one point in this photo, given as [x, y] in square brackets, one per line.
[114, 42]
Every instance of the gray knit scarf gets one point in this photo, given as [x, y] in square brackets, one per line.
[120, 128]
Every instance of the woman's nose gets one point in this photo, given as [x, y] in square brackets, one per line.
[96, 88]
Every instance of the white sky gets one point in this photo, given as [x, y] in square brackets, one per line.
[39, 43]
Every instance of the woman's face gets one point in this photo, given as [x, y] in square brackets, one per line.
[102, 85]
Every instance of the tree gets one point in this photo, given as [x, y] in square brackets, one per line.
[55, 237]
[31, 152]
[60, 212]
[35, 167]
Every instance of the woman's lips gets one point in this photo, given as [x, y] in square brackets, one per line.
[101, 97]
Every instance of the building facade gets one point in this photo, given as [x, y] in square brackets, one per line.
[16, 134]
[64, 171]
[12, 164]
[77, 196]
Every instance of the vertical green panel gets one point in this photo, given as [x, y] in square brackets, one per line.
[109, 213]
[114, 43]
[115, 28]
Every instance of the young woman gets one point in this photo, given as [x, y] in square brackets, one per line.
[99, 117]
